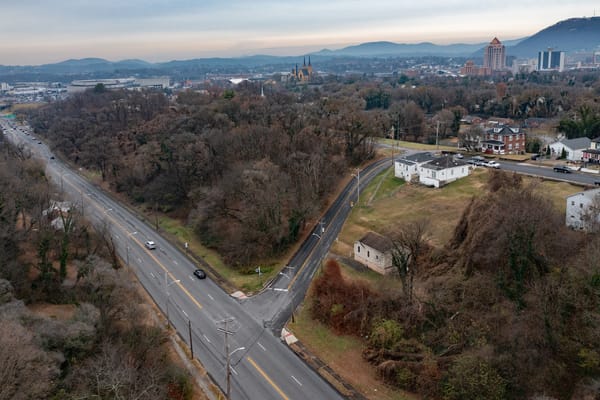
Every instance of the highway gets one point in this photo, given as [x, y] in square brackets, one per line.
[262, 366]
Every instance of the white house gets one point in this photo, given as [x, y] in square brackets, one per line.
[407, 168]
[442, 170]
[375, 251]
[573, 147]
[583, 210]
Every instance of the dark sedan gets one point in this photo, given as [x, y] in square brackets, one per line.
[200, 274]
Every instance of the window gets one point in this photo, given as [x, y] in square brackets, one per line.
[377, 257]
[580, 205]
[358, 249]
[368, 253]
[433, 174]
[517, 146]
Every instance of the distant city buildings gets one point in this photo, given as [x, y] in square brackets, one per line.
[494, 57]
[494, 61]
[551, 60]
[120, 83]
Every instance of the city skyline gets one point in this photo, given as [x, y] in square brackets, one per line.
[162, 30]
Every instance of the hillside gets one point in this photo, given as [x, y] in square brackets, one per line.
[575, 34]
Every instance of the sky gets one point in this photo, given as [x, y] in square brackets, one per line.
[44, 31]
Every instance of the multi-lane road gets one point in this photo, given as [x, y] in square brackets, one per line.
[262, 367]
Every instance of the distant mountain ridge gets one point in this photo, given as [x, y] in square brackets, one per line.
[570, 35]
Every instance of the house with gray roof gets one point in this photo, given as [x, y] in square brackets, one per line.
[375, 251]
[407, 167]
[442, 170]
[573, 147]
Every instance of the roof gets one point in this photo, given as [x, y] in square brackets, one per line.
[417, 158]
[443, 162]
[495, 41]
[588, 193]
[377, 242]
[581, 143]
[504, 130]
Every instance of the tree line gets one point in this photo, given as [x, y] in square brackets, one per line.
[105, 345]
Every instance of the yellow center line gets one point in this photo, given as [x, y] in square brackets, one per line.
[264, 375]
[123, 228]
[305, 263]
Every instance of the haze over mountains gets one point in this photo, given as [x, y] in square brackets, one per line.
[575, 34]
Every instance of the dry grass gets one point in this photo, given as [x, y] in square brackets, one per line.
[344, 355]
[396, 202]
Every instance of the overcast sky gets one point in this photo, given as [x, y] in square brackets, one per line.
[42, 31]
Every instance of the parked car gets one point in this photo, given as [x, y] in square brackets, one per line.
[597, 183]
[562, 169]
[200, 274]
[150, 245]
[493, 164]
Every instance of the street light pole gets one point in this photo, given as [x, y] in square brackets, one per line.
[168, 296]
[357, 175]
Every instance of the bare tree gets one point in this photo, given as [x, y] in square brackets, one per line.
[470, 138]
[409, 244]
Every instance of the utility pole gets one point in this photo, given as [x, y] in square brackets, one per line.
[227, 332]
[357, 185]
[168, 295]
[437, 133]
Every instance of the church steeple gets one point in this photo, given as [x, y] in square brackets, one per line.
[304, 64]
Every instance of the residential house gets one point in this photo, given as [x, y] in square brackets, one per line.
[583, 210]
[503, 140]
[593, 153]
[573, 147]
[442, 170]
[375, 251]
[407, 168]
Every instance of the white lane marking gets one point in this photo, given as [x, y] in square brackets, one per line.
[184, 313]
[175, 262]
[152, 275]
[191, 279]
[297, 381]
[117, 236]
[233, 370]
[261, 346]
[210, 296]
[139, 260]
[207, 339]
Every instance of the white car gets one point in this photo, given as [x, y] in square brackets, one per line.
[492, 164]
[150, 245]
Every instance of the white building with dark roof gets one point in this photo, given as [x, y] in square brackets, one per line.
[442, 170]
[407, 168]
[375, 251]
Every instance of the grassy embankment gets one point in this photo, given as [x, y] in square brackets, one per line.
[393, 202]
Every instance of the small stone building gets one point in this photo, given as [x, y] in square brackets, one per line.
[375, 251]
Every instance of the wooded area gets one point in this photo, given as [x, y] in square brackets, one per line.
[509, 309]
[247, 171]
[72, 326]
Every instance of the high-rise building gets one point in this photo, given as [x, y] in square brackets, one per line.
[494, 57]
[551, 60]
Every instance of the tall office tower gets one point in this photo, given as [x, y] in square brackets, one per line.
[551, 60]
[494, 57]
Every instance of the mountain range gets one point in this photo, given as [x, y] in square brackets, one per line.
[571, 35]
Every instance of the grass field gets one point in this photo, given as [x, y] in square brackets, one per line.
[415, 146]
[393, 202]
